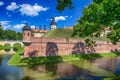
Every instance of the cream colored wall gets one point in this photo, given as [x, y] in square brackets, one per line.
[38, 34]
[104, 34]
[53, 27]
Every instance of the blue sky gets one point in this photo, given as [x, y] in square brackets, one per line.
[15, 13]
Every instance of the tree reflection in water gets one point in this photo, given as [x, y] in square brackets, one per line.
[94, 69]
[0, 59]
[27, 78]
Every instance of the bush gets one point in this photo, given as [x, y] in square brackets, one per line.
[17, 46]
[7, 47]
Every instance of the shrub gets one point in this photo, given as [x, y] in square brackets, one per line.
[17, 46]
[7, 47]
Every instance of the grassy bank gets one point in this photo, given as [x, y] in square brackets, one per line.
[18, 60]
[67, 33]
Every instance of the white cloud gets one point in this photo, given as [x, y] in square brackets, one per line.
[18, 26]
[59, 18]
[1, 3]
[32, 26]
[29, 10]
[5, 24]
[13, 6]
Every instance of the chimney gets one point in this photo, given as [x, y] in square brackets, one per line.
[40, 27]
[44, 27]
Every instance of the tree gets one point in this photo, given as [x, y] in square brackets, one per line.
[17, 46]
[97, 16]
[2, 34]
[19, 36]
[62, 4]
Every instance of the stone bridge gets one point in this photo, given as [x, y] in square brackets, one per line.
[11, 43]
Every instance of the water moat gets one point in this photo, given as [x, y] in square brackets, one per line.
[94, 69]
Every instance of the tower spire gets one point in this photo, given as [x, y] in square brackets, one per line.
[40, 27]
[53, 24]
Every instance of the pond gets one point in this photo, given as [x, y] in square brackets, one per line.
[95, 69]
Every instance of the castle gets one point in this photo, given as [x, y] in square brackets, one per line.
[35, 45]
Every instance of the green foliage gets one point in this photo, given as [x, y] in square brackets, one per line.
[1, 47]
[90, 43]
[97, 16]
[10, 35]
[17, 46]
[62, 4]
[7, 47]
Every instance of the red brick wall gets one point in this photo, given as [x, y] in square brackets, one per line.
[61, 46]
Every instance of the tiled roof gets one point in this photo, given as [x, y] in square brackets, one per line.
[39, 31]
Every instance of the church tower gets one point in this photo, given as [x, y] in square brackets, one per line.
[53, 24]
[26, 32]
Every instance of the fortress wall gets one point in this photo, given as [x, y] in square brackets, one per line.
[59, 46]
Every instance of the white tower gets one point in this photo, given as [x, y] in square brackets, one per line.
[53, 24]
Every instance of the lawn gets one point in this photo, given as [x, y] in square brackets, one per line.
[18, 60]
[67, 33]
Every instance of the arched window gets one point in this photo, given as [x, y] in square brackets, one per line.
[28, 34]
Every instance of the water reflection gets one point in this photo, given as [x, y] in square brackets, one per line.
[9, 51]
[95, 69]
[9, 72]
[0, 59]
[75, 70]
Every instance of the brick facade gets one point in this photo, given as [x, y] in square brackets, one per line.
[60, 46]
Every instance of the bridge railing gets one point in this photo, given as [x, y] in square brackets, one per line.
[10, 40]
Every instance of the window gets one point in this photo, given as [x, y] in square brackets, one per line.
[28, 34]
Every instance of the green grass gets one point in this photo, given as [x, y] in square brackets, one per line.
[66, 33]
[15, 60]
[18, 60]
[59, 33]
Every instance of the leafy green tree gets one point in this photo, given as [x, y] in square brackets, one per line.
[19, 36]
[17, 46]
[2, 34]
[97, 16]
[11, 35]
[62, 4]
[7, 47]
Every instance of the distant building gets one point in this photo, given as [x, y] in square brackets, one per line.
[39, 33]
[69, 27]
[106, 31]
[103, 34]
